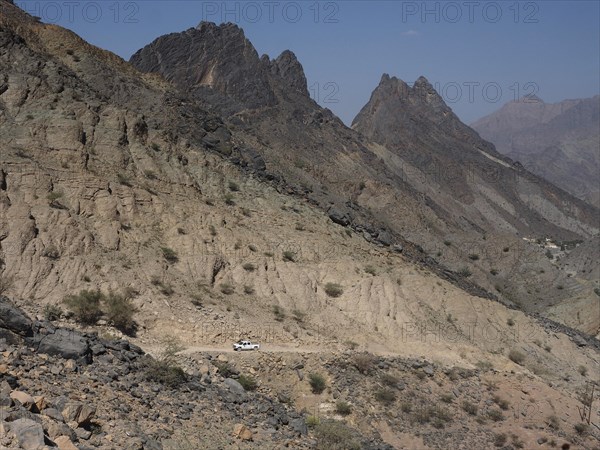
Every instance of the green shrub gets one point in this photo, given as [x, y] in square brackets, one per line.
[343, 408]
[299, 316]
[212, 230]
[494, 271]
[516, 356]
[289, 256]
[312, 421]
[154, 146]
[225, 368]
[553, 422]
[165, 373]
[53, 196]
[169, 254]
[371, 270]
[582, 370]
[335, 435]
[248, 382]
[229, 199]
[248, 290]
[385, 395]
[447, 243]
[252, 248]
[582, 428]
[390, 380]
[123, 179]
[52, 312]
[473, 257]
[150, 174]
[85, 306]
[469, 408]
[120, 311]
[465, 272]
[249, 267]
[279, 313]
[447, 398]
[317, 382]
[499, 439]
[502, 403]
[333, 290]
[495, 415]
[364, 362]
[227, 289]
[233, 186]
[510, 322]
[484, 365]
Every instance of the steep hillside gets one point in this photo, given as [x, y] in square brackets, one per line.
[432, 181]
[557, 141]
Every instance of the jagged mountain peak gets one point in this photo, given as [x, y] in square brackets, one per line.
[221, 58]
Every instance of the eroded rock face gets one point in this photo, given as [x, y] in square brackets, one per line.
[219, 57]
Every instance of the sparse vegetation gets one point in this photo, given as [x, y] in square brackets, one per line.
[289, 256]
[516, 356]
[317, 383]
[212, 230]
[447, 243]
[582, 370]
[494, 272]
[249, 267]
[465, 272]
[52, 312]
[385, 395]
[233, 186]
[248, 382]
[124, 179]
[299, 316]
[447, 398]
[553, 422]
[119, 311]
[335, 435]
[229, 199]
[312, 421]
[150, 174]
[333, 290]
[502, 403]
[85, 306]
[169, 254]
[473, 257]
[470, 408]
[500, 439]
[164, 369]
[371, 270]
[248, 290]
[54, 195]
[495, 415]
[154, 146]
[364, 362]
[279, 313]
[390, 380]
[343, 408]
[510, 322]
[582, 428]
[252, 248]
[226, 289]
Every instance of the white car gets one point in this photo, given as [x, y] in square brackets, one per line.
[245, 345]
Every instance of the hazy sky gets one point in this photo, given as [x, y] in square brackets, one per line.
[478, 54]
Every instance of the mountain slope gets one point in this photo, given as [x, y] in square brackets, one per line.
[112, 179]
[558, 141]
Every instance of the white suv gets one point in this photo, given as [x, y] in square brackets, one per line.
[245, 345]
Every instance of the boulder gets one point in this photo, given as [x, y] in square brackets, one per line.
[13, 319]
[242, 432]
[68, 344]
[24, 399]
[78, 412]
[338, 216]
[234, 386]
[29, 434]
[299, 425]
[64, 443]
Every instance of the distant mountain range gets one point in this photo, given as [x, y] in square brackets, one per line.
[557, 141]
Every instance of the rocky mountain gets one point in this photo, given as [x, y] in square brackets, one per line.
[408, 172]
[557, 141]
[182, 219]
